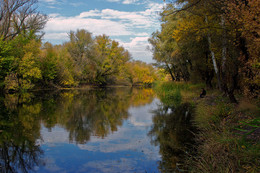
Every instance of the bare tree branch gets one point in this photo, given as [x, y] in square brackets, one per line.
[18, 16]
[183, 9]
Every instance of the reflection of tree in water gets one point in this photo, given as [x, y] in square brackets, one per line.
[142, 96]
[172, 131]
[81, 112]
[92, 112]
[19, 132]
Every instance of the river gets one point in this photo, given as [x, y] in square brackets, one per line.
[93, 130]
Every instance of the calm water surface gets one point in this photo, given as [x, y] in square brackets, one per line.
[98, 130]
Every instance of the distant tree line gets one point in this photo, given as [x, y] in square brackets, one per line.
[27, 63]
[215, 41]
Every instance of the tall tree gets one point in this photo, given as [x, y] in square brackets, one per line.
[110, 58]
[18, 16]
[243, 18]
[218, 25]
[81, 48]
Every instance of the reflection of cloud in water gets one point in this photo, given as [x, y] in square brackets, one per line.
[112, 166]
[131, 136]
[142, 116]
[138, 145]
[56, 135]
[51, 166]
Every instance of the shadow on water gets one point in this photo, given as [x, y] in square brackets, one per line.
[82, 113]
[173, 132]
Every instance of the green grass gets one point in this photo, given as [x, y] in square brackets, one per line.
[221, 148]
[225, 139]
[170, 93]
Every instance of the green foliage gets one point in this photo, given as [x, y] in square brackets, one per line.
[140, 73]
[28, 71]
[201, 40]
[109, 59]
[6, 60]
[85, 59]
[170, 92]
[80, 48]
[48, 63]
[19, 62]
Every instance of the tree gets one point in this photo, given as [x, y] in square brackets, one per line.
[140, 73]
[109, 59]
[216, 26]
[28, 71]
[17, 16]
[48, 63]
[20, 25]
[6, 61]
[65, 67]
[243, 18]
[81, 48]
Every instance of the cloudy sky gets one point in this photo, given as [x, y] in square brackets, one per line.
[130, 22]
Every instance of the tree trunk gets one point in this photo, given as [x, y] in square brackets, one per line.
[170, 71]
[209, 77]
[213, 55]
[227, 89]
[224, 86]
[224, 45]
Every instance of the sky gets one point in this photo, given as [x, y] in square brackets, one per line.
[130, 22]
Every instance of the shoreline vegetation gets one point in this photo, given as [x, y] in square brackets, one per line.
[228, 138]
[85, 60]
[204, 41]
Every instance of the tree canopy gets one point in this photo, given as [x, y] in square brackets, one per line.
[212, 41]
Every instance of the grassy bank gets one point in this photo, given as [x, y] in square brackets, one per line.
[229, 135]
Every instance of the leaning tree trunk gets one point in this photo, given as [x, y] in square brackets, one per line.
[170, 71]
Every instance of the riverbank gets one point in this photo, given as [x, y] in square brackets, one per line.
[229, 134]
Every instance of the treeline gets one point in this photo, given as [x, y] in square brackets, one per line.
[27, 63]
[215, 41]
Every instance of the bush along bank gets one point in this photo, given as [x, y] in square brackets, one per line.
[228, 137]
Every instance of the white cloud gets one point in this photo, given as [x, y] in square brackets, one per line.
[77, 4]
[129, 1]
[56, 36]
[112, 166]
[53, 15]
[96, 26]
[113, 0]
[142, 34]
[50, 1]
[138, 48]
[114, 23]
[90, 13]
[108, 21]
[124, 1]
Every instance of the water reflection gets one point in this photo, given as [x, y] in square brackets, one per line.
[173, 132]
[19, 131]
[83, 114]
